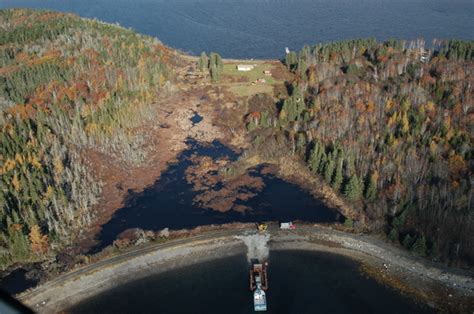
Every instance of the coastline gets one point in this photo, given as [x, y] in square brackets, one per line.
[426, 282]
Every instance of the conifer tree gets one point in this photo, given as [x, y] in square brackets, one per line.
[291, 60]
[203, 62]
[407, 241]
[338, 176]
[301, 144]
[215, 66]
[393, 235]
[371, 189]
[329, 170]
[419, 247]
[315, 157]
[353, 189]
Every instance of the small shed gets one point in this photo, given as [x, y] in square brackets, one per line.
[245, 67]
[267, 72]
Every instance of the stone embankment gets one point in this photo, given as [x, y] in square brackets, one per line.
[430, 283]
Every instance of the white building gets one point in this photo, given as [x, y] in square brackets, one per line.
[245, 67]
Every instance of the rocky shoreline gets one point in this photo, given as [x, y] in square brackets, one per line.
[440, 288]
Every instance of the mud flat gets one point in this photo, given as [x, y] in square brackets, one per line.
[442, 289]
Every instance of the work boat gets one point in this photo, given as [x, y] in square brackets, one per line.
[259, 300]
[259, 284]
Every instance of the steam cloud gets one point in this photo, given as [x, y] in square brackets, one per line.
[257, 246]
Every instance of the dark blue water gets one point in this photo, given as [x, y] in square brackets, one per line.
[17, 282]
[299, 282]
[196, 118]
[263, 28]
[169, 202]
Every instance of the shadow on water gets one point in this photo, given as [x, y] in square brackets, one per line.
[299, 282]
[169, 202]
[17, 282]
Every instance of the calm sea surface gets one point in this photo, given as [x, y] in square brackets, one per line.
[262, 29]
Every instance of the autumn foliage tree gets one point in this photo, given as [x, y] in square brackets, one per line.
[68, 86]
[390, 129]
[39, 242]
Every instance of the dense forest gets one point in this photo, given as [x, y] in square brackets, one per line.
[389, 127]
[67, 85]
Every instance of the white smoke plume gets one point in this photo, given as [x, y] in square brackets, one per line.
[257, 246]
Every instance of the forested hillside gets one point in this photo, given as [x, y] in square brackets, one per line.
[389, 127]
[67, 86]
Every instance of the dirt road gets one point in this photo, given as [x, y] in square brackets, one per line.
[444, 289]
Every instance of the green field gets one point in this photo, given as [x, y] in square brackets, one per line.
[253, 75]
[247, 89]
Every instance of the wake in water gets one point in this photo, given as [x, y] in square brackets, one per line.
[257, 246]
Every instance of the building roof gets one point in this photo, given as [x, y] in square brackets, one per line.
[245, 67]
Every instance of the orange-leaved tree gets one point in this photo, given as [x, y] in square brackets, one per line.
[39, 242]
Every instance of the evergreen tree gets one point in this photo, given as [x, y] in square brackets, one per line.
[419, 247]
[301, 144]
[329, 170]
[203, 62]
[291, 60]
[348, 222]
[301, 68]
[215, 66]
[434, 251]
[323, 161]
[338, 177]
[353, 189]
[394, 235]
[315, 157]
[350, 165]
[371, 188]
[215, 73]
[407, 241]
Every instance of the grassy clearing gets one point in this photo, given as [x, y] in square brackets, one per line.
[243, 89]
[246, 89]
[253, 75]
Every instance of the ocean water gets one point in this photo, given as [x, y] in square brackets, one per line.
[263, 28]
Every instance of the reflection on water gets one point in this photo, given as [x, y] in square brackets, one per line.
[299, 282]
[169, 203]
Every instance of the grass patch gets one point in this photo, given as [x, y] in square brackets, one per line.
[243, 89]
[248, 90]
[253, 75]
